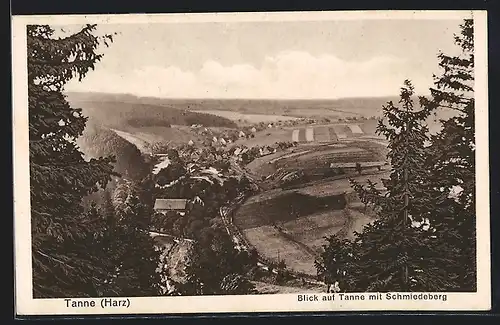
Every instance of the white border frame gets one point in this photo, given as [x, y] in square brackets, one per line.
[26, 305]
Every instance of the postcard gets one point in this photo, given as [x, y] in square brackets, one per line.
[251, 162]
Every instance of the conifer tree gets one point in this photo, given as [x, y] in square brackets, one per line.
[59, 175]
[369, 195]
[391, 254]
[451, 156]
[236, 284]
[438, 191]
[216, 267]
[132, 250]
[337, 263]
[108, 212]
[392, 241]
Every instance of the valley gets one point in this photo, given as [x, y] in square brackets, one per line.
[304, 193]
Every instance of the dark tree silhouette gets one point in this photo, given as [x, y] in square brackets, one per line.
[63, 266]
[451, 156]
[424, 238]
[131, 249]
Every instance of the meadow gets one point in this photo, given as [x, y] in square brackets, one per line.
[307, 156]
[291, 224]
[247, 118]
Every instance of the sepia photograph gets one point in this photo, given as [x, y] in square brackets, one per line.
[251, 162]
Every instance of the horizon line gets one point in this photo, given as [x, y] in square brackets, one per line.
[237, 98]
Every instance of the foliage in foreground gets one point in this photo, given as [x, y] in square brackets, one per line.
[424, 238]
[76, 253]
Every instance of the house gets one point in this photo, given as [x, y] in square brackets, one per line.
[253, 130]
[264, 151]
[165, 205]
[242, 134]
[164, 163]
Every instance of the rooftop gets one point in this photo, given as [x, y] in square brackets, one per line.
[170, 204]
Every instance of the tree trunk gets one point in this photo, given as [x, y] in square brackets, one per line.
[405, 221]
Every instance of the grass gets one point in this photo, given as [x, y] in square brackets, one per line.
[322, 156]
[264, 166]
[174, 134]
[336, 108]
[273, 246]
[298, 242]
[318, 160]
[327, 188]
[267, 137]
[285, 207]
[293, 223]
[318, 155]
[330, 153]
[312, 229]
[267, 288]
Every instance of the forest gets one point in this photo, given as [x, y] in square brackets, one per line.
[118, 111]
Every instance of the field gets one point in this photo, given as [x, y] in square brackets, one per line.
[247, 118]
[326, 187]
[299, 242]
[267, 137]
[332, 109]
[285, 207]
[264, 166]
[120, 110]
[291, 224]
[176, 134]
[272, 135]
[317, 159]
[307, 156]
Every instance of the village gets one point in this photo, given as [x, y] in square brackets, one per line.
[303, 141]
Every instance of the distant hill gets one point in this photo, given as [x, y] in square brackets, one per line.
[131, 113]
[355, 106]
[122, 111]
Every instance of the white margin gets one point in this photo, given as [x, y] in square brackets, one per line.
[26, 305]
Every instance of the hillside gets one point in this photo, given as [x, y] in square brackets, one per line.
[370, 106]
[123, 111]
[97, 142]
[165, 120]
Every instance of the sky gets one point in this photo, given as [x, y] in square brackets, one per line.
[280, 60]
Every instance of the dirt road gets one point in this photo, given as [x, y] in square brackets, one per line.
[141, 144]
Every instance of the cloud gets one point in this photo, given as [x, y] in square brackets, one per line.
[289, 74]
